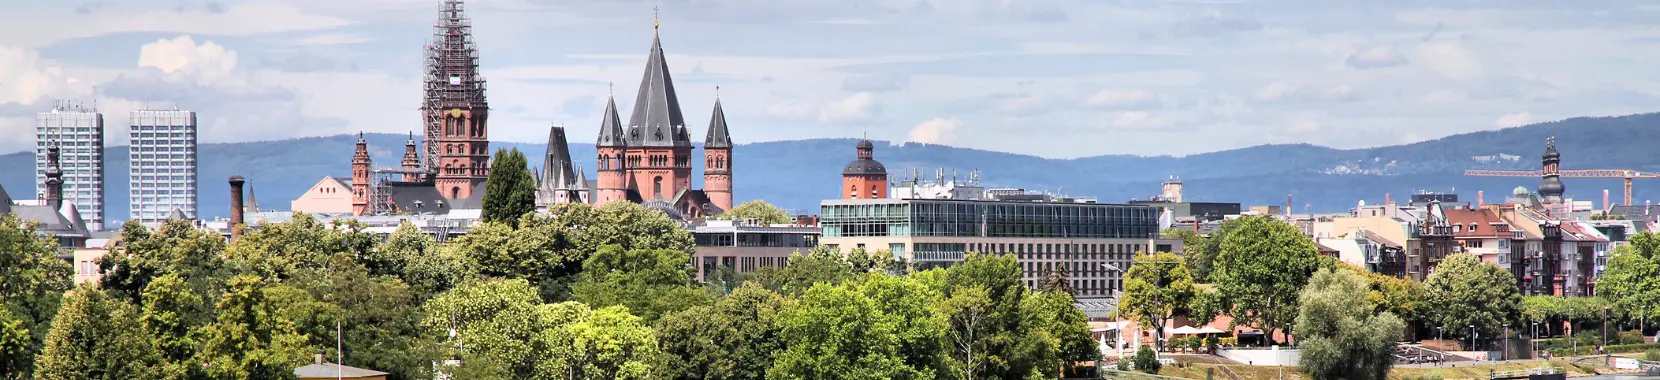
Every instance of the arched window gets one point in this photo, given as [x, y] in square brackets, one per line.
[657, 187]
[853, 192]
[455, 192]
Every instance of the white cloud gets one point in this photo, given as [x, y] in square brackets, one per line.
[1339, 92]
[1275, 91]
[1514, 120]
[857, 107]
[25, 79]
[1451, 59]
[937, 131]
[1119, 99]
[1137, 120]
[1374, 57]
[182, 54]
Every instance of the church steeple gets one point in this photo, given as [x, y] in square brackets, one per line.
[657, 121]
[717, 137]
[610, 128]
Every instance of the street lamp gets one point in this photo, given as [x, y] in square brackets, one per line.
[1158, 343]
[1472, 337]
[1504, 338]
[1604, 328]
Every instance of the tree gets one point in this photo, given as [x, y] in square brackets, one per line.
[1343, 336]
[759, 210]
[838, 332]
[1019, 338]
[176, 247]
[96, 336]
[32, 282]
[172, 316]
[1463, 291]
[510, 190]
[1056, 281]
[1147, 361]
[276, 251]
[612, 344]
[1201, 253]
[378, 317]
[735, 339]
[414, 257]
[1261, 266]
[506, 329]
[252, 338]
[1156, 288]
[1059, 323]
[968, 311]
[650, 283]
[804, 269]
[1632, 282]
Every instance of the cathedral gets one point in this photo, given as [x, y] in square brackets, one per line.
[648, 160]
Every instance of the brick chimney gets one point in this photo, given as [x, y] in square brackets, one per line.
[236, 206]
[1481, 198]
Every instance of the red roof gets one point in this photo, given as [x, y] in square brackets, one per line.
[1476, 223]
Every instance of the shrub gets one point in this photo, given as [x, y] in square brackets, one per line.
[1210, 342]
[1651, 355]
[1631, 337]
[1146, 361]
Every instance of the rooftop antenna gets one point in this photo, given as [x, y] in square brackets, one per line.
[612, 88]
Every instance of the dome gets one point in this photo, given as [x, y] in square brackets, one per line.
[866, 145]
[1551, 187]
[865, 166]
[1551, 154]
[1520, 191]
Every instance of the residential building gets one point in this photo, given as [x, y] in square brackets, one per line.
[745, 246]
[78, 130]
[163, 168]
[1481, 232]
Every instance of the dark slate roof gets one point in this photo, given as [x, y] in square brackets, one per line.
[865, 165]
[717, 137]
[177, 214]
[331, 370]
[556, 169]
[418, 198]
[347, 183]
[610, 127]
[473, 201]
[657, 121]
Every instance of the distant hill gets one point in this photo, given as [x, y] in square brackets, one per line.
[798, 174]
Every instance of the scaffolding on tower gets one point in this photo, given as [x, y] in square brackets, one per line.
[452, 80]
[380, 189]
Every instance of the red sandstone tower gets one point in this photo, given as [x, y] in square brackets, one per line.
[717, 157]
[611, 175]
[454, 109]
[865, 178]
[360, 177]
[411, 161]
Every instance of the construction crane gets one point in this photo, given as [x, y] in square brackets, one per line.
[1628, 175]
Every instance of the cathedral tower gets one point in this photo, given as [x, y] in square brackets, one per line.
[717, 157]
[411, 160]
[659, 155]
[360, 177]
[612, 147]
[454, 109]
[1550, 183]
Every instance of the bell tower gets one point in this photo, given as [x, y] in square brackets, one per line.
[360, 177]
[717, 159]
[612, 146]
[455, 107]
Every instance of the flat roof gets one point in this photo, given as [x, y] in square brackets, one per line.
[857, 202]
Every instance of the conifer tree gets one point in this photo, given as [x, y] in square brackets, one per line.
[510, 191]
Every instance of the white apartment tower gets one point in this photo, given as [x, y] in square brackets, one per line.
[78, 131]
[163, 173]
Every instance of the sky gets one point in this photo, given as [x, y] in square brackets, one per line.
[1051, 78]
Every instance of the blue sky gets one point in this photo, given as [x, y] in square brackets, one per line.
[1053, 78]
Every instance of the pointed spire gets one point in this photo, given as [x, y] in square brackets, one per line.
[411, 141]
[252, 205]
[657, 121]
[581, 179]
[556, 164]
[717, 137]
[360, 138]
[610, 127]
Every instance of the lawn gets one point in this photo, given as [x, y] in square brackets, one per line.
[1197, 371]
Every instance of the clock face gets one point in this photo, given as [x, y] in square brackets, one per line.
[455, 112]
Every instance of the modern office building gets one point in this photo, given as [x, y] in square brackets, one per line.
[78, 130]
[746, 246]
[163, 156]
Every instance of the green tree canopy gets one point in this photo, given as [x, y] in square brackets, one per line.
[1632, 282]
[277, 250]
[32, 282]
[1157, 287]
[1343, 336]
[1463, 291]
[1261, 268]
[735, 339]
[510, 190]
[96, 336]
[503, 323]
[759, 210]
[842, 332]
[649, 282]
[177, 248]
[612, 344]
[253, 337]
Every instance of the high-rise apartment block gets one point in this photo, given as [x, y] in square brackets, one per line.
[163, 155]
[78, 131]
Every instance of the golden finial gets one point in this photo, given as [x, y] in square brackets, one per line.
[654, 23]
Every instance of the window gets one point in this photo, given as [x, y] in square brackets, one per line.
[657, 187]
[1472, 227]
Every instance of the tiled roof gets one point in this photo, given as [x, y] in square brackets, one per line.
[1485, 221]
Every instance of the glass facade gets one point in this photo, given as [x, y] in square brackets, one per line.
[959, 218]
